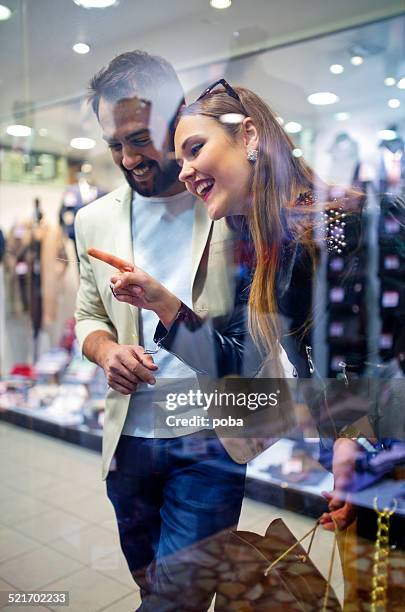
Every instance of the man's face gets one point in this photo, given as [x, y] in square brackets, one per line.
[139, 148]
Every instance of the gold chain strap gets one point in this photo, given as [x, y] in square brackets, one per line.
[381, 552]
[331, 562]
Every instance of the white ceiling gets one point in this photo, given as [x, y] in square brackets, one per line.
[38, 63]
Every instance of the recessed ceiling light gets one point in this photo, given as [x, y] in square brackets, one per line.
[81, 48]
[292, 127]
[82, 143]
[394, 103]
[401, 83]
[43, 132]
[356, 60]
[220, 4]
[336, 68]
[236, 34]
[387, 134]
[322, 98]
[297, 152]
[342, 116]
[18, 130]
[233, 118]
[5, 12]
[389, 81]
[89, 4]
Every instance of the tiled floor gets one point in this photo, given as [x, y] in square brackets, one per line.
[57, 527]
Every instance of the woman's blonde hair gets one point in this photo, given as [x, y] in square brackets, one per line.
[278, 178]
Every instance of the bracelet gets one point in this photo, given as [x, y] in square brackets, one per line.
[182, 313]
[188, 317]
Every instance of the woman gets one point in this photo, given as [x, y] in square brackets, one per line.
[236, 157]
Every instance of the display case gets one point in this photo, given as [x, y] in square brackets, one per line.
[60, 395]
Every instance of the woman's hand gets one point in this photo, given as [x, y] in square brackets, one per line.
[341, 510]
[143, 291]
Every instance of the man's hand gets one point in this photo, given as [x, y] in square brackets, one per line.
[126, 366]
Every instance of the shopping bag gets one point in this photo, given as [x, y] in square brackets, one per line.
[272, 573]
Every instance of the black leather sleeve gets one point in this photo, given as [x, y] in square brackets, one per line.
[210, 348]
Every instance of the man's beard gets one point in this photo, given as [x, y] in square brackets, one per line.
[163, 178]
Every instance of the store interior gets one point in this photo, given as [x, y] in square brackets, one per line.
[354, 51]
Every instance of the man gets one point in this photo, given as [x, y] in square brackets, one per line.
[168, 493]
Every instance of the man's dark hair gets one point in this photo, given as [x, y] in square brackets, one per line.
[136, 73]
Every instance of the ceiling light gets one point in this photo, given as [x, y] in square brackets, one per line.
[389, 81]
[5, 12]
[297, 152]
[43, 132]
[81, 48]
[401, 83]
[336, 68]
[82, 143]
[220, 4]
[394, 103]
[357, 60]
[292, 127]
[387, 134]
[342, 116]
[322, 98]
[89, 4]
[18, 130]
[233, 118]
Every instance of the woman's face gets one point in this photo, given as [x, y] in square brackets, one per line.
[214, 165]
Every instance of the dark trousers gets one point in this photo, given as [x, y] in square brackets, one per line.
[175, 499]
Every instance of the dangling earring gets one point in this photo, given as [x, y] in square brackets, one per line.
[252, 155]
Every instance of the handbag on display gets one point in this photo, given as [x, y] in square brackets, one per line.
[249, 573]
[273, 572]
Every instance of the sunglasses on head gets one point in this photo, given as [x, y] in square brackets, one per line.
[229, 90]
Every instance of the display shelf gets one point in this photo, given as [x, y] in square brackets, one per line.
[300, 497]
[81, 434]
[62, 396]
[289, 498]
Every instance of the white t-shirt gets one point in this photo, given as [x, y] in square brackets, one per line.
[162, 241]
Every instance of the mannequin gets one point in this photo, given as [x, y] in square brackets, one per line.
[75, 196]
[33, 269]
[392, 166]
[344, 154]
